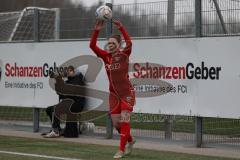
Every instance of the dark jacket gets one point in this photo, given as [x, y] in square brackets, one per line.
[77, 80]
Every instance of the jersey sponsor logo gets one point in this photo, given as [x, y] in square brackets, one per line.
[113, 66]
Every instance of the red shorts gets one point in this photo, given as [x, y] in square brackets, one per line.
[118, 104]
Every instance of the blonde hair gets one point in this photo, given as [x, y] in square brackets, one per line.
[117, 37]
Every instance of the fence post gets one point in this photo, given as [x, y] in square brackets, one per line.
[198, 131]
[57, 24]
[198, 18]
[109, 124]
[198, 33]
[34, 3]
[170, 32]
[36, 28]
[168, 126]
[170, 17]
[36, 114]
[36, 38]
[109, 23]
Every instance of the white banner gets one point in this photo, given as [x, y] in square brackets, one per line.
[171, 76]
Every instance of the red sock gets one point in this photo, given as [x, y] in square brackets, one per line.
[125, 133]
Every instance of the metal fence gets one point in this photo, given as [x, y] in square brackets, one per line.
[155, 127]
[158, 19]
[164, 19]
[220, 17]
[172, 18]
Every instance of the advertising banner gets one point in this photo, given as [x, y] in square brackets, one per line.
[187, 76]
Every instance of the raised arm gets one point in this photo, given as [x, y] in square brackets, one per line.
[128, 47]
[93, 42]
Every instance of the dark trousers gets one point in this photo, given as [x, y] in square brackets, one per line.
[54, 113]
[54, 120]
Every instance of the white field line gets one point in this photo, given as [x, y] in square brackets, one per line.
[37, 155]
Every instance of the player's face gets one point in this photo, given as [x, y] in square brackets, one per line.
[113, 45]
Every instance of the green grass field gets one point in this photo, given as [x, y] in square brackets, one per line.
[82, 151]
[216, 126]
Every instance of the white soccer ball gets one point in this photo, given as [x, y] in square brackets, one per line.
[103, 13]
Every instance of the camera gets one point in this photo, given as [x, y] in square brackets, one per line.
[53, 74]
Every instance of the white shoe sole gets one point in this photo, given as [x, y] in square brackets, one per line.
[128, 153]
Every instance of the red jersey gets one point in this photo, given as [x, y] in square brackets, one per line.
[116, 65]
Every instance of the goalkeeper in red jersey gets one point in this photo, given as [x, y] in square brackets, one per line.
[122, 95]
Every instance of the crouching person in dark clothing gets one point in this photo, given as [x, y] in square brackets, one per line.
[69, 105]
